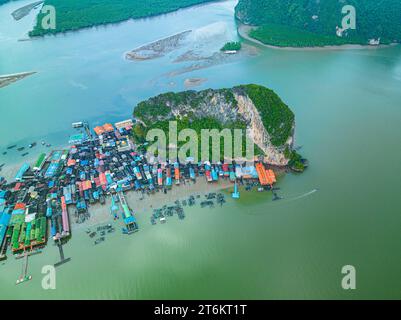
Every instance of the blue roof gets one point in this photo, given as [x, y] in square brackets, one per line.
[68, 197]
[81, 205]
[4, 221]
[49, 212]
[21, 171]
[129, 220]
[52, 169]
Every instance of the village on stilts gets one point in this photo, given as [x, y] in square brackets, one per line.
[61, 187]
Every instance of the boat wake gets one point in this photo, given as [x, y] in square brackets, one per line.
[307, 194]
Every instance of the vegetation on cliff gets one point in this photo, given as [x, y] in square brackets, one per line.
[156, 113]
[160, 107]
[305, 18]
[296, 163]
[78, 14]
[277, 117]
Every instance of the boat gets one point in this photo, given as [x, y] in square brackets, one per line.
[191, 173]
[147, 173]
[214, 174]
[177, 173]
[208, 173]
[24, 154]
[33, 144]
[137, 173]
[23, 279]
[11, 147]
[160, 177]
[168, 177]
[137, 185]
[226, 171]
[20, 148]
[100, 240]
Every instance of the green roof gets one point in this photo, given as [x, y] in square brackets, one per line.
[40, 160]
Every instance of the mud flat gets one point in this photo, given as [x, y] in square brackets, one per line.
[190, 55]
[7, 79]
[194, 82]
[158, 48]
[25, 10]
[216, 58]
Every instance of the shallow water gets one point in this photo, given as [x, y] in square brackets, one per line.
[343, 210]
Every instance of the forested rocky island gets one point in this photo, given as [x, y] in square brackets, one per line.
[251, 106]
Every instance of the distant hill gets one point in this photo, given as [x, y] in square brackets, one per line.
[374, 19]
[78, 14]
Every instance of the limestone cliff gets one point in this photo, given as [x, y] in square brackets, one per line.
[269, 120]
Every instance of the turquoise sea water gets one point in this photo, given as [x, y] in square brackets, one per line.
[345, 209]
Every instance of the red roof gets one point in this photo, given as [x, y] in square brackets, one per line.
[71, 162]
[103, 180]
[19, 205]
[86, 185]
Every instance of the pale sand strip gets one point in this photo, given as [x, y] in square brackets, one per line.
[243, 31]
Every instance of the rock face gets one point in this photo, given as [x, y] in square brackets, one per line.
[273, 155]
[259, 108]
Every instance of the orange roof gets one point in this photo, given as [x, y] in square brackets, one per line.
[262, 174]
[99, 130]
[108, 127]
[271, 176]
[71, 162]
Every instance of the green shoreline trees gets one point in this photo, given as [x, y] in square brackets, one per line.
[232, 46]
[306, 23]
[78, 14]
